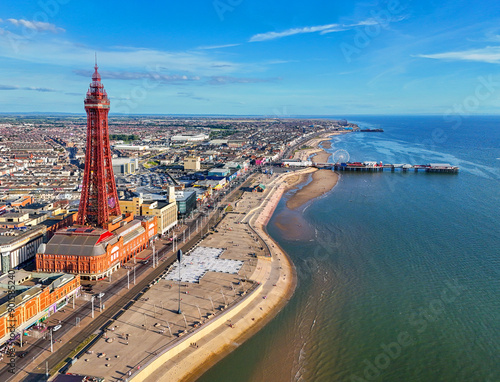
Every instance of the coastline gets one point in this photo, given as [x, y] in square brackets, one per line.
[305, 154]
[277, 281]
[275, 275]
[322, 182]
[286, 183]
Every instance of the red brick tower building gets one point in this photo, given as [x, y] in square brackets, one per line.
[99, 199]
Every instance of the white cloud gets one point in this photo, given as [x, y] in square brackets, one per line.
[217, 46]
[224, 80]
[490, 54]
[61, 52]
[291, 32]
[127, 75]
[333, 30]
[36, 89]
[322, 29]
[36, 25]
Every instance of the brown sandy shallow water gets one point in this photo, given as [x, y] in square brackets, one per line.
[293, 226]
[322, 182]
[326, 144]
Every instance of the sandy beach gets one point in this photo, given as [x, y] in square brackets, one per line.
[322, 182]
[278, 280]
[321, 157]
[313, 148]
[275, 276]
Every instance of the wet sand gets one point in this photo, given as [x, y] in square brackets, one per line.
[322, 182]
[321, 157]
[325, 142]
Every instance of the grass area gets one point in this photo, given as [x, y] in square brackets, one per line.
[151, 164]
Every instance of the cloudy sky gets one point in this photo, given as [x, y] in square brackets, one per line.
[279, 57]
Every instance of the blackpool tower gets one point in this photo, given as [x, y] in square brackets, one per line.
[99, 199]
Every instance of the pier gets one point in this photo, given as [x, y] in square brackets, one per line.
[377, 167]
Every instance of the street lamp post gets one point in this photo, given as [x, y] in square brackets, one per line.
[153, 245]
[51, 342]
[199, 311]
[92, 300]
[179, 258]
[213, 308]
[223, 296]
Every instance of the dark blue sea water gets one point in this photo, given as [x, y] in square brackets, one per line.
[399, 280]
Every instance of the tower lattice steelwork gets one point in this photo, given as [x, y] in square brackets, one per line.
[99, 199]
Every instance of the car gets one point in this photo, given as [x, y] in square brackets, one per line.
[56, 328]
[22, 354]
[100, 295]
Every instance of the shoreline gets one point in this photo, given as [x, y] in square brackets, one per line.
[312, 144]
[264, 217]
[288, 182]
[277, 280]
[323, 181]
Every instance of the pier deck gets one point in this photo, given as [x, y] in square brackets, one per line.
[370, 167]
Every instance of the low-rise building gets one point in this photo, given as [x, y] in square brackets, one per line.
[125, 166]
[219, 172]
[20, 201]
[18, 246]
[20, 219]
[36, 296]
[192, 164]
[186, 202]
[94, 253]
[165, 211]
[188, 138]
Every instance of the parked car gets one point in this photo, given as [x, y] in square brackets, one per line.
[56, 328]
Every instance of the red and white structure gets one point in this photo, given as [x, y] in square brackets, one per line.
[99, 199]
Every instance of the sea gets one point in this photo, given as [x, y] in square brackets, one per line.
[398, 275]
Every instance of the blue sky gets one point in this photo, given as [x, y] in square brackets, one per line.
[319, 57]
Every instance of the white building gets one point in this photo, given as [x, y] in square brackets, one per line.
[19, 245]
[130, 147]
[188, 138]
[125, 165]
